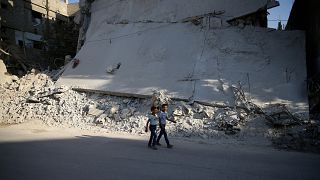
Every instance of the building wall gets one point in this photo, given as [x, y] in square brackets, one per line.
[72, 8]
[19, 16]
[305, 15]
[55, 6]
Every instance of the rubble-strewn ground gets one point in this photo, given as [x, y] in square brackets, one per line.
[35, 96]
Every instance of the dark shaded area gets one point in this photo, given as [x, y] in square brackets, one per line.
[258, 18]
[303, 138]
[62, 42]
[92, 157]
[305, 15]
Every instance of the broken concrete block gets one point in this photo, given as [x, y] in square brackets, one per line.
[93, 111]
[101, 119]
[4, 77]
[117, 117]
[198, 107]
[208, 112]
[113, 68]
[14, 78]
[187, 109]
[125, 113]
[114, 109]
[178, 111]
[125, 101]
[33, 100]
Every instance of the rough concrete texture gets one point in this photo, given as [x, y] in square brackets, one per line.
[4, 77]
[167, 10]
[35, 96]
[161, 48]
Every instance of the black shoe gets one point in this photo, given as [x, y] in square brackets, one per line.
[169, 146]
[154, 148]
[158, 144]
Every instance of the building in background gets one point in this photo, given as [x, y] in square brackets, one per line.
[305, 15]
[37, 26]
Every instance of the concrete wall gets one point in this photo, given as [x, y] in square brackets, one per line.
[72, 8]
[17, 16]
[55, 6]
[200, 61]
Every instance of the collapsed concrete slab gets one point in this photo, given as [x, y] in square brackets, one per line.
[4, 77]
[138, 47]
[119, 11]
[269, 65]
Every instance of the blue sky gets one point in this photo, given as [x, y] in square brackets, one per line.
[73, 1]
[281, 12]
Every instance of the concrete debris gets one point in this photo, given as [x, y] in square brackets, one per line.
[159, 98]
[4, 77]
[178, 111]
[113, 68]
[35, 96]
[279, 115]
[187, 109]
[93, 111]
[304, 137]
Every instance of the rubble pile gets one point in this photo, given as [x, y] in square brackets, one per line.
[35, 96]
[291, 131]
[4, 77]
[305, 137]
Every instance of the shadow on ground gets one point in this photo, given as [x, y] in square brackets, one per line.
[94, 157]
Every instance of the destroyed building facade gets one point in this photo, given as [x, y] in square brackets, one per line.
[198, 51]
[224, 71]
[29, 27]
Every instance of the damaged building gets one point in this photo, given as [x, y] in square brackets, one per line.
[197, 51]
[33, 30]
[215, 62]
[305, 15]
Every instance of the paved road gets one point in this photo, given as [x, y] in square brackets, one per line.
[26, 155]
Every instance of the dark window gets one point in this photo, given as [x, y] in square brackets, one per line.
[59, 22]
[36, 17]
[37, 44]
[4, 6]
[20, 42]
[36, 14]
[3, 29]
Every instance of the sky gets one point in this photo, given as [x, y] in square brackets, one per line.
[73, 1]
[281, 12]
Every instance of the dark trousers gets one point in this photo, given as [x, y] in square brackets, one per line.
[153, 135]
[163, 132]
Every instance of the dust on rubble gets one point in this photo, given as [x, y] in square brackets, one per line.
[35, 96]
